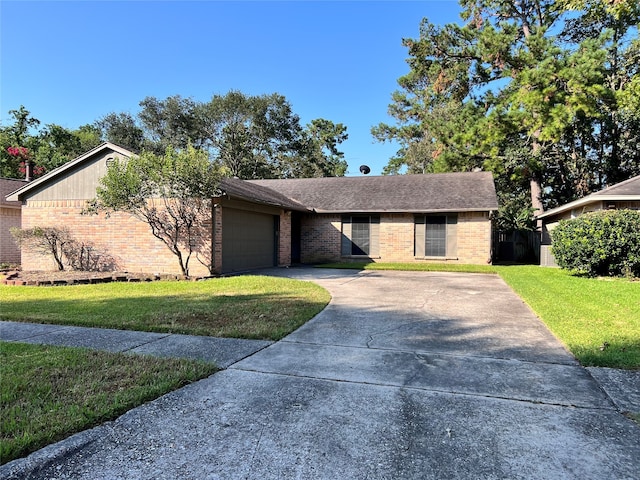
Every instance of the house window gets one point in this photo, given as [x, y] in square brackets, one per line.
[436, 236]
[360, 235]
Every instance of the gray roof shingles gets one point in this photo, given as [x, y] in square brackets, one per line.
[7, 186]
[628, 187]
[442, 192]
[235, 187]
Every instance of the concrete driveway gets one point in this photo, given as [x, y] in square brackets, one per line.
[404, 375]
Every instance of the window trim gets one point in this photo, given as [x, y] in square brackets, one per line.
[451, 240]
[347, 244]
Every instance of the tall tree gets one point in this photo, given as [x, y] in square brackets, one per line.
[504, 92]
[57, 145]
[174, 121]
[18, 134]
[249, 135]
[316, 153]
[44, 147]
[123, 130]
[612, 137]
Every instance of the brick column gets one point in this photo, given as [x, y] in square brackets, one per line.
[284, 239]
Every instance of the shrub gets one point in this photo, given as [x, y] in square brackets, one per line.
[599, 243]
[59, 243]
[44, 240]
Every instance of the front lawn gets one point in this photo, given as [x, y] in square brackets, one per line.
[48, 393]
[597, 319]
[257, 307]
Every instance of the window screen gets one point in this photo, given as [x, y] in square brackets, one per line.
[360, 235]
[436, 237]
[360, 238]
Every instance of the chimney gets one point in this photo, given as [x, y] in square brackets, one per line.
[28, 170]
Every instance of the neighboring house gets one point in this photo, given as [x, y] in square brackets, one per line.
[623, 195]
[9, 217]
[264, 223]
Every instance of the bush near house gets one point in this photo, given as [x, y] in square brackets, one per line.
[605, 243]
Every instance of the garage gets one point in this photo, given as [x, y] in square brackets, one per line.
[249, 240]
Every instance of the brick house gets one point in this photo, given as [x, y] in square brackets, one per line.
[623, 195]
[264, 223]
[9, 217]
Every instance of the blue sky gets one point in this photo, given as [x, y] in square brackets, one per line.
[72, 62]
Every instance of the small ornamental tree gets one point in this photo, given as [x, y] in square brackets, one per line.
[64, 248]
[172, 193]
[599, 243]
[45, 241]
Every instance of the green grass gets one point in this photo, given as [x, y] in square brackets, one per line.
[257, 307]
[598, 320]
[48, 393]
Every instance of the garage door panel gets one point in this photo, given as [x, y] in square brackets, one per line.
[248, 240]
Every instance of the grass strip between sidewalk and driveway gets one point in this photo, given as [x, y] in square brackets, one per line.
[597, 319]
[248, 306]
[48, 393]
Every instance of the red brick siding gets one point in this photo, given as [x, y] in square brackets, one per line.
[284, 239]
[474, 238]
[321, 239]
[9, 250]
[128, 240]
[396, 238]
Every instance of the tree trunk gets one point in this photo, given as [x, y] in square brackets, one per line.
[536, 199]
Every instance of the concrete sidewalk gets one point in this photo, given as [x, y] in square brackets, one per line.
[221, 351]
[404, 375]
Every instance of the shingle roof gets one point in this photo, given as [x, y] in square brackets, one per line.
[628, 187]
[235, 187]
[623, 191]
[442, 192]
[7, 186]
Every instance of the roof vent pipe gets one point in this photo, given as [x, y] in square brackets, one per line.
[28, 170]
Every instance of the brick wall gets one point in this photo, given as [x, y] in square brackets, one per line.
[321, 239]
[126, 239]
[284, 239]
[133, 248]
[474, 238]
[9, 251]
[396, 238]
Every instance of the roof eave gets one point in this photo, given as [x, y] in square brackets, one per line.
[267, 203]
[593, 198]
[413, 211]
